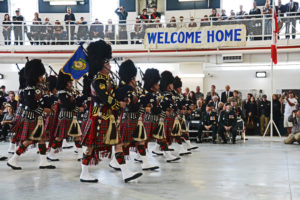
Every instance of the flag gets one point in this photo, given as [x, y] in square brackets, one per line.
[77, 65]
[274, 36]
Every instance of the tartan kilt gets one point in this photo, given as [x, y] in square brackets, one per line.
[28, 126]
[98, 142]
[63, 126]
[83, 125]
[127, 130]
[168, 125]
[150, 127]
[49, 126]
[16, 124]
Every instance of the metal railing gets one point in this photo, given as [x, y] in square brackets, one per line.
[259, 27]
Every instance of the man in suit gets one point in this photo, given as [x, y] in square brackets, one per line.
[209, 95]
[226, 94]
[291, 8]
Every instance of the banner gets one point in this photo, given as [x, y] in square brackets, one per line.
[196, 37]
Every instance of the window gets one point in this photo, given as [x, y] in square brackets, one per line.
[104, 10]
[27, 8]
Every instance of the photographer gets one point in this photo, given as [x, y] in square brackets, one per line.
[290, 103]
[294, 118]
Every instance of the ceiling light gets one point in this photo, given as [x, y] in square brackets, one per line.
[63, 3]
[261, 74]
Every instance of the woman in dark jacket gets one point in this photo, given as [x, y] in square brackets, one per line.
[276, 110]
[251, 116]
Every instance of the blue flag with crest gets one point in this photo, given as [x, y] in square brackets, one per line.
[77, 65]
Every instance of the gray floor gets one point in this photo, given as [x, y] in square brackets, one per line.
[255, 170]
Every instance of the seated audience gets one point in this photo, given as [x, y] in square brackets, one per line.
[46, 32]
[7, 121]
[138, 32]
[96, 30]
[83, 29]
[227, 124]
[110, 31]
[209, 122]
[58, 32]
[181, 23]
[34, 35]
[172, 23]
[192, 22]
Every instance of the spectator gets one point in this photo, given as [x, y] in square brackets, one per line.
[156, 23]
[192, 97]
[227, 123]
[138, 32]
[122, 14]
[221, 107]
[226, 94]
[2, 100]
[144, 16]
[290, 103]
[201, 105]
[172, 23]
[209, 123]
[236, 98]
[47, 31]
[192, 22]
[6, 24]
[292, 8]
[58, 33]
[96, 30]
[213, 15]
[12, 101]
[110, 31]
[198, 93]
[255, 11]
[251, 115]
[215, 102]
[223, 15]
[3, 89]
[181, 23]
[70, 24]
[187, 91]
[232, 15]
[83, 29]
[205, 18]
[34, 35]
[264, 107]
[7, 121]
[276, 110]
[280, 9]
[241, 13]
[155, 14]
[18, 21]
[210, 94]
[294, 118]
[267, 11]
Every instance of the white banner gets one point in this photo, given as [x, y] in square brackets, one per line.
[196, 38]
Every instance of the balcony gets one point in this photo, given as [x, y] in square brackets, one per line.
[53, 41]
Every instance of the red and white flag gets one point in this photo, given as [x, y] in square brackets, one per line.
[275, 30]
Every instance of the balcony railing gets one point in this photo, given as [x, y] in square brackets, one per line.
[259, 27]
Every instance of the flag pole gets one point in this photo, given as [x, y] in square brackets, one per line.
[271, 123]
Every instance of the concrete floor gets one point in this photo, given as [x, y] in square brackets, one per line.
[255, 170]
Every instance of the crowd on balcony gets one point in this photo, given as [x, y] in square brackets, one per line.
[72, 30]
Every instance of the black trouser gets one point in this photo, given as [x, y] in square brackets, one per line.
[34, 37]
[6, 35]
[5, 129]
[222, 131]
[18, 35]
[213, 128]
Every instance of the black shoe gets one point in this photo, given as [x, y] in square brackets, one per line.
[136, 160]
[13, 167]
[137, 175]
[233, 142]
[89, 181]
[214, 142]
[53, 160]
[47, 167]
[3, 158]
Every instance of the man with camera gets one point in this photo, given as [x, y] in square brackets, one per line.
[295, 133]
[290, 103]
